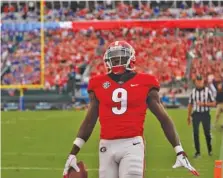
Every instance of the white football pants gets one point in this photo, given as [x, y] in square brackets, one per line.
[121, 158]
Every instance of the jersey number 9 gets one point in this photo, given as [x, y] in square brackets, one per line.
[119, 95]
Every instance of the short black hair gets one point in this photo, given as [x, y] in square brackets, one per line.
[199, 77]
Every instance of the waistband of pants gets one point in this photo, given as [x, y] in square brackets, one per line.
[201, 113]
[116, 141]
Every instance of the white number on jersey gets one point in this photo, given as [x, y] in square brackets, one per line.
[119, 95]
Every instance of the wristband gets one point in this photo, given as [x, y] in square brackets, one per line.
[79, 142]
[178, 149]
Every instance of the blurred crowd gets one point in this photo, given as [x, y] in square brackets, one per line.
[20, 57]
[208, 58]
[166, 53]
[110, 10]
[163, 53]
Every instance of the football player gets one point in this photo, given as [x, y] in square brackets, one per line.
[120, 99]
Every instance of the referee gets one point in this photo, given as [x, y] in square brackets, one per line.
[200, 101]
[219, 101]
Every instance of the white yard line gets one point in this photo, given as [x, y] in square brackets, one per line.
[38, 168]
[42, 154]
[221, 150]
[90, 169]
[51, 116]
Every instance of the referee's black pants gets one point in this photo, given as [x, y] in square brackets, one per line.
[205, 119]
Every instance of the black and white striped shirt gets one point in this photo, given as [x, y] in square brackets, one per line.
[203, 95]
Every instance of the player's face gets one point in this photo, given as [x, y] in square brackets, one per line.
[219, 86]
[117, 61]
[119, 56]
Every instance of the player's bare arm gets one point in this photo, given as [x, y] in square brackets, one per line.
[189, 113]
[84, 133]
[209, 104]
[169, 129]
[89, 122]
[167, 124]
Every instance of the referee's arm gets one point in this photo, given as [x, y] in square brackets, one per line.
[190, 104]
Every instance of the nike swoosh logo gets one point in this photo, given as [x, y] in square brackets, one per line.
[136, 143]
[134, 85]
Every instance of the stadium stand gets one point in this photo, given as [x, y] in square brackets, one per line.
[111, 10]
[171, 54]
[165, 58]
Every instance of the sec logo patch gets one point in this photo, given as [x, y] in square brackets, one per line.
[106, 85]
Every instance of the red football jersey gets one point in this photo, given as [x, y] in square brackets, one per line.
[122, 107]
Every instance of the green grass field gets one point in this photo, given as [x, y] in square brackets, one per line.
[36, 145]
